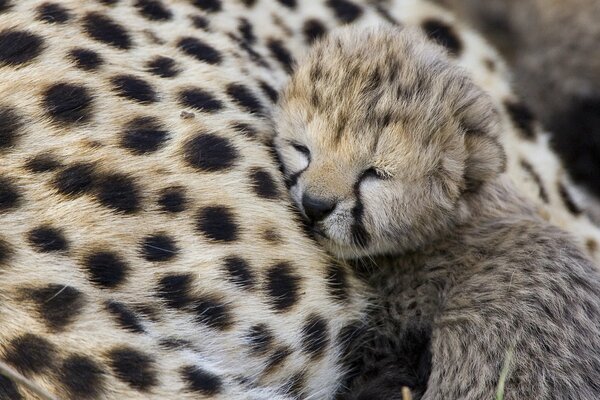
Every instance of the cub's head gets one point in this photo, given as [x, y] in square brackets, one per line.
[382, 138]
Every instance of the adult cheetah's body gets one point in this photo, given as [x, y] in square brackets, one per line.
[147, 248]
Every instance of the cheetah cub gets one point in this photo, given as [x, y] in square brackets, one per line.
[392, 154]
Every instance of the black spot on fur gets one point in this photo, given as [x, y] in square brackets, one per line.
[201, 381]
[9, 195]
[106, 268]
[108, 2]
[443, 34]
[159, 247]
[46, 239]
[315, 336]
[344, 10]
[118, 192]
[42, 163]
[282, 286]
[577, 139]
[239, 272]
[5, 5]
[522, 118]
[271, 93]
[288, 3]
[8, 389]
[199, 22]
[133, 367]
[337, 282]
[154, 10]
[200, 100]
[208, 5]
[103, 29]
[19, 47]
[212, 312]
[210, 153]
[242, 96]
[85, 59]
[68, 103]
[264, 184]
[125, 317]
[175, 290]
[313, 29]
[199, 50]
[31, 354]
[144, 135]
[245, 29]
[217, 223]
[164, 67]
[52, 13]
[82, 377]
[536, 178]
[244, 129]
[10, 127]
[75, 180]
[172, 200]
[134, 88]
[260, 338]
[281, 54]
[568, 200]
[5, 252]
[277, 358]
[58, 305]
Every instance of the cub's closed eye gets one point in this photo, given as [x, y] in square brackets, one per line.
[302, 149]
[374, 173]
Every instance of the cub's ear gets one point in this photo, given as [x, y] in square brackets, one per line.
[480, 122]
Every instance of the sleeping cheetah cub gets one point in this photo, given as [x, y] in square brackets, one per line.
[391, 151]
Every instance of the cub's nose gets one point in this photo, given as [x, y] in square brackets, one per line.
[317, 209]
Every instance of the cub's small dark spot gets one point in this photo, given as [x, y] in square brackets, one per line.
[210, 153]
[217, 223]
[282, 285]
[239, 272]
[260, 338]
[281, 54]
[172, 199]
[277, 359]
[133, 367]
[159, 247]
[313, 29]
[200, 100]
[10, 127]
[175, 290]
[201, 381]
[173, 343]
[8, 389]
[568, 200]
[536, 178]
[52, 13]
[68, 103]
[58, 305]
[522, 117]
[590, 244]
[144, 135]
[154, 10]
[212, 312]
[103, 29]
[315, 335]
[344, 10]
[47, 238]
[108, 2]
[75, 179]
[19, 47]
[208, 5]
[242, 96]
[443, 34]
[295, 385]
[264, 184]
[30, 354]
[337, 282]
[288, 3]
[199, 50]
[5, 5]
[87, 60]
[267, 89]
[249, 3]
[5, 251]
[245, 29]
[134, 88]
[42, 163]
[245, 129]
[105, 268]
[126, 318]
[119, 192]
[9, 195]
[164, 67]
[82, 377]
